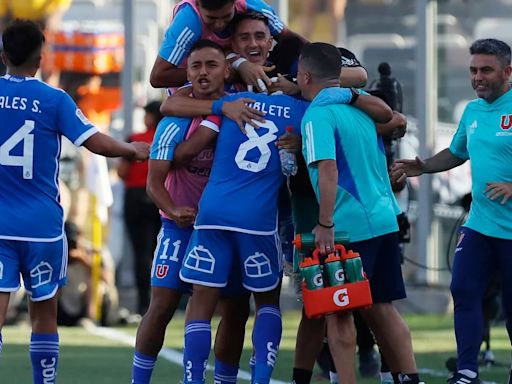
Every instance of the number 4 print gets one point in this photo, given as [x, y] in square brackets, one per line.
[26, 160]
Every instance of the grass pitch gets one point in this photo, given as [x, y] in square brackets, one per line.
[88, 358]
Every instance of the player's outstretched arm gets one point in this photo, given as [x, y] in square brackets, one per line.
[237, 110]
[442, 161]
[107, 146]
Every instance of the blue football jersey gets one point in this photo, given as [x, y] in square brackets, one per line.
[34, 115]
[246, 176]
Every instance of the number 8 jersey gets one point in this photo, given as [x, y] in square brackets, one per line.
[241, 194]
[33, 117]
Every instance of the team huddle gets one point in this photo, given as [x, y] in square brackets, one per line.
[216, 174]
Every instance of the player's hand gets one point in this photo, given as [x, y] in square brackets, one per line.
[401, 127]
[289, 141]
[241, 113]
[183, 216]
[324, 239]
[141, 150]
[255, 75]
[282, 84]
[495, 190]
[401, 169]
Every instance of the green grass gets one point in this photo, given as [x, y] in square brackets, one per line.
[86, 358]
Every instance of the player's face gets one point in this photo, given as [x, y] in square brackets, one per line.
[217, 20]
[207, 70]
[252, 40]
[303, 81]
[489, 77]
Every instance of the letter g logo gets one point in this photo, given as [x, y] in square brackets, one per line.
[340, 297]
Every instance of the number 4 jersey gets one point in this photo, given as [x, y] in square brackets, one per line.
[34, 115]
[241, 194]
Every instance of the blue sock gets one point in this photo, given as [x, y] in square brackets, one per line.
[198, 342]
[44, 353]
[266, 337]
[142, 368]
[225, 373]
[1, 343]
[252, 364]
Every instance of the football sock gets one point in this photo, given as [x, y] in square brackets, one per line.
[225, 373]
[44, 354]
[266, 337]
[198, 341]
[142, 368]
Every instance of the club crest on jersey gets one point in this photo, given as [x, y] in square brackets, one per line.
[506, 122]
[41, 274]
[161, 271]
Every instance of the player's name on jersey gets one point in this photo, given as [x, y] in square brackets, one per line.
[21, 103]
[272, 109]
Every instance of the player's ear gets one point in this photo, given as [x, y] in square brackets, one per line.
[4, 58]
[227, 70]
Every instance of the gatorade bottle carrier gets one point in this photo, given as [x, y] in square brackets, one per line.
[348, 296]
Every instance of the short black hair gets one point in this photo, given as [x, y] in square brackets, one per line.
[251, 15]
[492, 47]
[22, 39]
[203, 43]
[153, 108]
[213, 5]
[322, 60]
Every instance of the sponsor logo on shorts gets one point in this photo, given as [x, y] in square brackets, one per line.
[41, 274]
[258, 265]
[200, 259]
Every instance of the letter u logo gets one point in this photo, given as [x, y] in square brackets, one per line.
[506, 122]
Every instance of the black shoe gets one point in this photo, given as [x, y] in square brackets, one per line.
[369, 363]
[510, 378]
[459, 378]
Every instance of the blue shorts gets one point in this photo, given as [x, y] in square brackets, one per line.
[381, 262]
[170, 250]
[212, 253]
[43, 267]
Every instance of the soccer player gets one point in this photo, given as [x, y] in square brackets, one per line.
[348, 173]
[209, 19]
[32, 243]
[484, 136]
[175, 184]
[247, 174]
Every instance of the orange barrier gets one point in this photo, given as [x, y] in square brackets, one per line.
[86, 47]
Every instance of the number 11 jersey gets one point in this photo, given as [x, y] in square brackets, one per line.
[241, 194]
[33, 117]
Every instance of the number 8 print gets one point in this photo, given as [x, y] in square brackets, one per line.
[259, 142]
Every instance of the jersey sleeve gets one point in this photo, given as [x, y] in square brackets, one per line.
[318, 139]
[275, 24]
[459, 144]
[348, 59]
[213, 122]
[167, 137]
[181, 35]
[72, 123]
